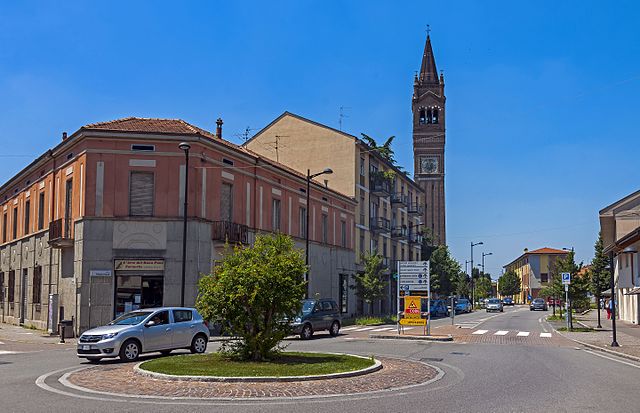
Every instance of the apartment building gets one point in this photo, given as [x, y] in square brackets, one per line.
[534, 268]
[389, 203]
[93, 227]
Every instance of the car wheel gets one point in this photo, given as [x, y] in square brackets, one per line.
[335, 329]
[130, 350]
[306, 332]
[199, 344]
[165, 352]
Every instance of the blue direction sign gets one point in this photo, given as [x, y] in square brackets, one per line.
[566, 278]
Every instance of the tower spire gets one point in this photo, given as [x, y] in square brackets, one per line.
[428, 71]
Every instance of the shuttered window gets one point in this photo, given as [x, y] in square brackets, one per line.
[226, 202]
[141, 194]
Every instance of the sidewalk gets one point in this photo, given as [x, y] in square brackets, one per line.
[627, 334]
[19, 336]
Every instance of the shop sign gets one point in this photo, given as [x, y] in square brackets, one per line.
[139, 265]
[100, 273]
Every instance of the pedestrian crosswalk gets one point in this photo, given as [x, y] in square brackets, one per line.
[507, 332]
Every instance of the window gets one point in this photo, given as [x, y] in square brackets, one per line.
[141, 194]
[362, 249]
[325, 228]
[11, 288]
[326, 306]
[161, 318]
[68, 213]
[423, 117]
[226, 202]
[362, 169]
[142, 148]
[180, 316]
[27, 215]
[275, 215]
[41, 211]
[4, 228]
[362, 207]
[227, 161]
[37, 285]
[374, 246]
[14, 223]
[343, 232]
[544, 277]
[303, 221]
[343, 296]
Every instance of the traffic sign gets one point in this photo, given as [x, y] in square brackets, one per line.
[413, 321]
[411, 307]
[566, 278]
[414, 287]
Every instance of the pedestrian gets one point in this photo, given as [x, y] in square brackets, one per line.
[609, 307]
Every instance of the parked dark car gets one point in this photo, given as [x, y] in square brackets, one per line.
[538, 304]
[507, 301]
[439, 308]
[317, 315]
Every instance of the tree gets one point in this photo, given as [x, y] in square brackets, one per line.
[444, 271]
[462, 285]
[483, 287]
[383, 150]
[578, 287]
[254, 290]
[371, 284]
[509, 284]
[599, 276]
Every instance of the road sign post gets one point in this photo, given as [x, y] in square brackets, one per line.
[413, 282]
[566, 281]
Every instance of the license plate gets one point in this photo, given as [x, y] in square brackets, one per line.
[86, 347]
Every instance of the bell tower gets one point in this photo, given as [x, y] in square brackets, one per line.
[429, 115]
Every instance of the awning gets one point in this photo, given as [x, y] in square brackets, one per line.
[633, 291]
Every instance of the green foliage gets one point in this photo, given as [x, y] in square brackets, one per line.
[444, 271]
[254, 290]
[371, 284]
[383, 150]
[599, 275]
[483, 287]
[367, 321]
[509, 284]
[462, 285]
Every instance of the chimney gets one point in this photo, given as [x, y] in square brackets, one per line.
[64, 136]
[219, 128]
[526, 250]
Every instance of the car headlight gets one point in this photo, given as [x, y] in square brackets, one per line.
[108, 336]
[298, 320]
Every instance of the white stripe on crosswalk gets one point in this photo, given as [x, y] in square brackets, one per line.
[501, 333]
[1, 343]
[480, 332]
[349, 328]
[3, 352]
[384, 329]
[523, 334]
[407, 328]
[365, 329]
[545, 335]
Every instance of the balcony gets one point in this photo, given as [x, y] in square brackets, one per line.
[399, 232]
[414, 208]
[414, 238]
[60, 233]
[379, 185]
[377, 224]
[398, 198]
[227, 231]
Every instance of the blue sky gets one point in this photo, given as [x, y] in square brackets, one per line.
[542, 97]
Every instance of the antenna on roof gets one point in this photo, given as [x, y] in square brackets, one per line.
[245, 134]
[342, 115]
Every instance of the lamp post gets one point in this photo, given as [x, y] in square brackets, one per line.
[484, 255]
[473, 285]
[568, 304]
[327, 171]
[614, 341]
[185, 147]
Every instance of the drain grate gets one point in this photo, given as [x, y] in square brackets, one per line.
[431, 359]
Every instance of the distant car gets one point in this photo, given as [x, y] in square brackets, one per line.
[463, 306]
[538, 304]
[507, 301]
[317, 315]
[439, 308]
[143, 331]
[494, 304]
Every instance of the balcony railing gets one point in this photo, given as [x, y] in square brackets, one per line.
[398, 198]
[414, 208]
[379, 185]
[414, 238]
[399, 232]
[60, 233]
[227, 231]
[377, 224]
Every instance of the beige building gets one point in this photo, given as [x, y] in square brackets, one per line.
[390, 204]
[534, 268]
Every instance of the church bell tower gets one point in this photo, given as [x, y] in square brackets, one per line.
[429, 115]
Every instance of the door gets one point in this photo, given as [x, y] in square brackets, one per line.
[184, 328]
[327, 314]
[23, 295]
[158, 332]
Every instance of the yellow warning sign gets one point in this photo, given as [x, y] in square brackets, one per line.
[411, 307]
[413, 321]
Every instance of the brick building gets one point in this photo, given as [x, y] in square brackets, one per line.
[96, 222]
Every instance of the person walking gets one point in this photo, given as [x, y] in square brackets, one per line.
[609, 307]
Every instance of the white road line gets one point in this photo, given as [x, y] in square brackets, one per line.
[480, 332]
[384, 329]
[349, 328]
[3, 352]
[612, 359]
[501, 333]
[1, 343]
[365, 329]
[407, 328]
[545, 335]
[522, 334]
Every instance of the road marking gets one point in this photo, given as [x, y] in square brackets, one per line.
[612, 359]
[349, 328]
[545, 335]
[365, 329]
[407, 328]
[3, 352]
[1, 342]
[501, 333]
[523, 334]
[480, 332]
[384, 329]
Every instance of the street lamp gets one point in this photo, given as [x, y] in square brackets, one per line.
[473, 286]
[484, 255]
[185, 147]
[327, 171]
[614, 341]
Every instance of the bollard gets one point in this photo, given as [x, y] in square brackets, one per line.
[62, 333]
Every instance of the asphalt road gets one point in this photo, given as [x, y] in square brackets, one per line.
[479, 377]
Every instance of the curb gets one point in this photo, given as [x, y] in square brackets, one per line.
[264, 379]
[419, 338]
[599, 348]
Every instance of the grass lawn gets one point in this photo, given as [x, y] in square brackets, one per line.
[577, 329]
[287, 364]
[364, 321]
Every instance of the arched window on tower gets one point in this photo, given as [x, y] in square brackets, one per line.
[435, 115]
[423, 118]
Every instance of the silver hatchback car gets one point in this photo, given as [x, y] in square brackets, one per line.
[494, 304]
[143, 331]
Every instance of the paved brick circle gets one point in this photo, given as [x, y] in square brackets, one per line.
[121, 379]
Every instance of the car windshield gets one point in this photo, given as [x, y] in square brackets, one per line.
[538, 301]
[307, 306]
[494, 301]
[130, 319]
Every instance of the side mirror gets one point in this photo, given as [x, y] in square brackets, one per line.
[150, 323]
